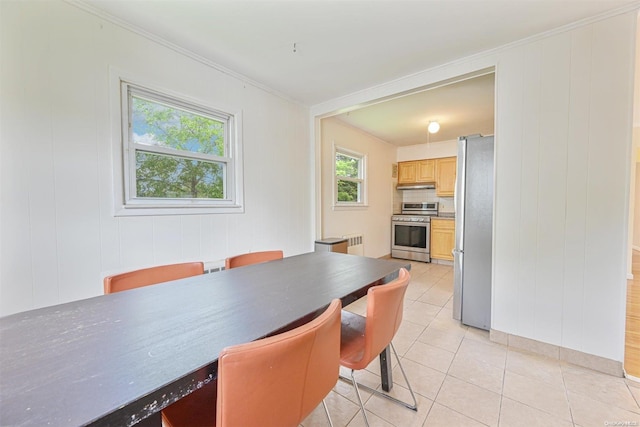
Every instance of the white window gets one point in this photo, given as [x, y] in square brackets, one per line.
[349, 178]
[178, 156]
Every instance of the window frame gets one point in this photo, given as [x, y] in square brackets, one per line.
[361, 180]
[126, 202]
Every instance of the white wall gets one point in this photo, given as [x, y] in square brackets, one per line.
[431, 150]
[635, 160]
[563, 138]
[58, 235]
[636, 200]
[636, 220]
[374, 221]
[562, 183]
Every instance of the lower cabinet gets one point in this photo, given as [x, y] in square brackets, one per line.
[443, 238]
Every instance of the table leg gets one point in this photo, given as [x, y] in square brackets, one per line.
[385, 369]
[154, 420]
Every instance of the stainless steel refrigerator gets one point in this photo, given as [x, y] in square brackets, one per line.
[474, 231]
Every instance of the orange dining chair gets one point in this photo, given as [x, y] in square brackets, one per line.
[151, 276]
[364, 338]
[252, 258]
[273, 382]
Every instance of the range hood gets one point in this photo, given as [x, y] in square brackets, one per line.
[421, 186]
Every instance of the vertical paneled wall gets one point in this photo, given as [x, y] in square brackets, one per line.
[58, 233]
[563, 139]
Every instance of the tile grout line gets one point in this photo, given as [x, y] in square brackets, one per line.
[504, 379]
[566, 394]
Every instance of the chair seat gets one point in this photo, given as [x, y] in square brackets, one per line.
[364, 338]
[196, 410]
[352, 341]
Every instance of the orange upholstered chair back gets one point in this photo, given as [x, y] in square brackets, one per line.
[384, 315]
[278, 381]
[252, 258]
[151, 276]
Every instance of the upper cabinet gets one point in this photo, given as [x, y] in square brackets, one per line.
[442, 172]
[445, 176]
[417, 171]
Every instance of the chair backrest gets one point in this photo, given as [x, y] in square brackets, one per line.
[384, 314]
[151, 276]
[278, 381]
[252, 258]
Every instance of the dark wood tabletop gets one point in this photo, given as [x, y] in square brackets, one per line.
[115, 359]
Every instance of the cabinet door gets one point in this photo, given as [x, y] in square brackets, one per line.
[426, 171]
[442, 238]
[445, 176]
[407, 172]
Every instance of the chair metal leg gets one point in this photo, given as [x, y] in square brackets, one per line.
[326, 411]
[355, 386]
[413, 407]
[406, 380]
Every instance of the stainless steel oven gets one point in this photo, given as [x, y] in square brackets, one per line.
[411, 231]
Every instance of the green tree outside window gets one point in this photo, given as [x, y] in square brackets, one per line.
[169, 174]
[348, 178]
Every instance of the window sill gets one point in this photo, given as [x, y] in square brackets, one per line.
[175, 210]
[350, 207]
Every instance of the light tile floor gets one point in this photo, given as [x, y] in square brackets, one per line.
[461, 378]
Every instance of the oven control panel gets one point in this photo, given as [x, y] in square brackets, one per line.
[424, 208]
[411, 218]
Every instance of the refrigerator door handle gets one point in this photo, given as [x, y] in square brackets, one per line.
[457, 283]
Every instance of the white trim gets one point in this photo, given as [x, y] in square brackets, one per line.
[413, 82]
[354, 207]
[81, 4]
[234, 189]
[362, 179]
[631, 377]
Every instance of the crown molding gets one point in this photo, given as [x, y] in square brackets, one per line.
[389, 89]
[80, 4]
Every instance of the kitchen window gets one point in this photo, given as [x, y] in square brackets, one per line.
[349, 178]
[179, 156]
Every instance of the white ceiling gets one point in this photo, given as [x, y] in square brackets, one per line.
[312, 51]
[461, 108]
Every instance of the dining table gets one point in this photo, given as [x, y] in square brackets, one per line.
[119, 359]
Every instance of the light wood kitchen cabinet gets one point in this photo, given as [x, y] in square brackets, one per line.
[426, 170]
[416, 171]
[443, 238]
[445, 176]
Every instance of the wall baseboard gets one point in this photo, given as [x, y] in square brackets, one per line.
[441, 261]
[585, 360]
[631, 377]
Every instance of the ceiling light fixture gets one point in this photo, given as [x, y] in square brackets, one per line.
[433, 127]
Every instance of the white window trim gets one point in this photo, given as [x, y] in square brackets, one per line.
[363, 203]
[127, 206]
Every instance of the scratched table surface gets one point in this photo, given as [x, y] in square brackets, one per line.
[116, 359]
